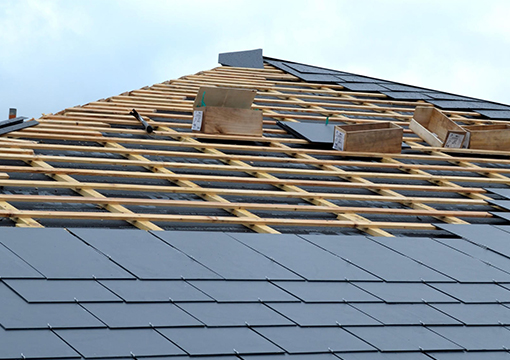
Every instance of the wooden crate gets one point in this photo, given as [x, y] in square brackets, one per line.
[436, 129]
[383, 137]
[229, 121]
[488, 137]
[226, 111]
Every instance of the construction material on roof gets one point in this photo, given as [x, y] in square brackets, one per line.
[382, 137]
[436, 129]
[320, 134]
[94, 166]
[243, 59]
[86, 293]
[14, 124]
[226, 111]
[148, 128]
[488, 137]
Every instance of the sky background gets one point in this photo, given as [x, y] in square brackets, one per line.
[58, 54]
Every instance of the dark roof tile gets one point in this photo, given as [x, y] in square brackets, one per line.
[296, 340]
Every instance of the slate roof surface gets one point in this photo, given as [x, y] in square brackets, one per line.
[344, 307]
[275, 248]
[391, 89]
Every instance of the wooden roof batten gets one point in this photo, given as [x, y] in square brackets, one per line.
[268, 184]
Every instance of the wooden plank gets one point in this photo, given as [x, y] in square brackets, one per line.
[208, 197]
[210, 219]
[236, 192]
[82, 190]
[237, 205]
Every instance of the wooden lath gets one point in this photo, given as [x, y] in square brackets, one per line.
[275, 180]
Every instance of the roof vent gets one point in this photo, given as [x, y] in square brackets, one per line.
[247, 59]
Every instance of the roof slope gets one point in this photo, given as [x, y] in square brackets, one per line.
[415, 265]
[95, 166]
[252, 296]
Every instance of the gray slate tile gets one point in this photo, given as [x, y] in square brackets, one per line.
[140, 315]
[385, 356]
[407, 314]
[405, 292]
[319, 78]
[16, 313]
[12, 266]
[363, 86]
[375, 258]
[303, 258]
[485, 355]
[468, 105]
[247, 59]
[502, 192]
[324, 314]
[41, 344]
[482, 253]
[444, 259]
[59, 255]
[495, 114]
[475, 293]
[492, 237]
[119, 343]
[220, 341]
[317, 133]
[233, 314]
[155, 290]
[406, 95]
[302, 68]
[144, 255]
[326, 291]
[225, 256]
[52, 291]
[400, 87]
[477, 314]
[243, 291]
[403, 338]
[291, 357]
[476, 337]
[296, 340]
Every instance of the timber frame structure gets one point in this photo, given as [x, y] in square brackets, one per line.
[95, 166]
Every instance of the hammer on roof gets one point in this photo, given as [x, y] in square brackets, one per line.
[145, 124]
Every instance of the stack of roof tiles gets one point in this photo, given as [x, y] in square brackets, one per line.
[274, 249]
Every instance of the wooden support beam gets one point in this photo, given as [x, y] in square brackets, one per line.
[261, 228]
[130, 217]
[84, 191]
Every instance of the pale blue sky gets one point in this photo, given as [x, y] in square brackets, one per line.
[56, 54]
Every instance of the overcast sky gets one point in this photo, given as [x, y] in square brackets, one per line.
[57, 54]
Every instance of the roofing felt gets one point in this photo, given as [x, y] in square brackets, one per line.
[159, 316]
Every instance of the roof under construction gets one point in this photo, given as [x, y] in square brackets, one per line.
[380, 255]
[95, 166]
